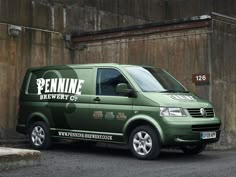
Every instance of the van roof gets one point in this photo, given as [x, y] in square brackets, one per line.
[78, 66]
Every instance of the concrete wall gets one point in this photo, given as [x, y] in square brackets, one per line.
[97, 15]
[94, 15]
[223, 64]
[32, 13]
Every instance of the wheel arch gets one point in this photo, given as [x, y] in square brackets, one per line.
[139, 120]
[35, 117]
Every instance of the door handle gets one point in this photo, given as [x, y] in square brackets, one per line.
[97, 99]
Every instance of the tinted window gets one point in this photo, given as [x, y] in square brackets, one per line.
[107, 80]
[32, 87]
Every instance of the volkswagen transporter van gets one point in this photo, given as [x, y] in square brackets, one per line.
[143, 107]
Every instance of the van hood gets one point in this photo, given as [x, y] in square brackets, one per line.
[184, 100]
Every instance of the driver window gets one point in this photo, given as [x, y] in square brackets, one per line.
[107, 80]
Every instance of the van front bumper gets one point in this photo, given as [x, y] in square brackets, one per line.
[177, 132]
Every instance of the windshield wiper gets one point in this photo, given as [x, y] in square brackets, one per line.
[184, 91]
[175, 91]
[169, 91]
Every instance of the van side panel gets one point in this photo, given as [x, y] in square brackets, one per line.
[65, 94]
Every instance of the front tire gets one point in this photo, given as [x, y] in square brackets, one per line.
[144, 143]
[193, 149]
[39, 136]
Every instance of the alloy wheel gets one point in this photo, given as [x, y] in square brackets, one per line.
[142, 143]
[38, 136]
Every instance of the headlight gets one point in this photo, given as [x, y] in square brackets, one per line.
[172, 112]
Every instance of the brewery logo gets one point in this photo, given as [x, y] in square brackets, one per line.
[59, 88]
[121, 116]
[97, 115]
[109, 115]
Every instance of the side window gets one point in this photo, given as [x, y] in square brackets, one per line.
[107, 80]
[32, 87]
[66, 75]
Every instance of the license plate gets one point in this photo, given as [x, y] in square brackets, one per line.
[207, 135]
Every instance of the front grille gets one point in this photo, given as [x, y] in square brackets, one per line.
[195, 112]
[210, 127]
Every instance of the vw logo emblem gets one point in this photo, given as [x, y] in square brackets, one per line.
[203, 112]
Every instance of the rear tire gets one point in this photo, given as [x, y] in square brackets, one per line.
[144, 143]
[39, 136]
[193, 149]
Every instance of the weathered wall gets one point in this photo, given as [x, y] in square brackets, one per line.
[101, 14]
[223, 61]
[32, 13]
[90, 15]
[97, 15]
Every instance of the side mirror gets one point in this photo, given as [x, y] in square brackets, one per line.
[123, 89]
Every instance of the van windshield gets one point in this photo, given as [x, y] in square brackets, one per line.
[155, 80]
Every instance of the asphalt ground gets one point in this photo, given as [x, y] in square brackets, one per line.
[83, 160]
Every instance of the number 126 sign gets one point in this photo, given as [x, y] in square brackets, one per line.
[200, 78]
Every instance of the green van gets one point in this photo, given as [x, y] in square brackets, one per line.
[141, 106]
